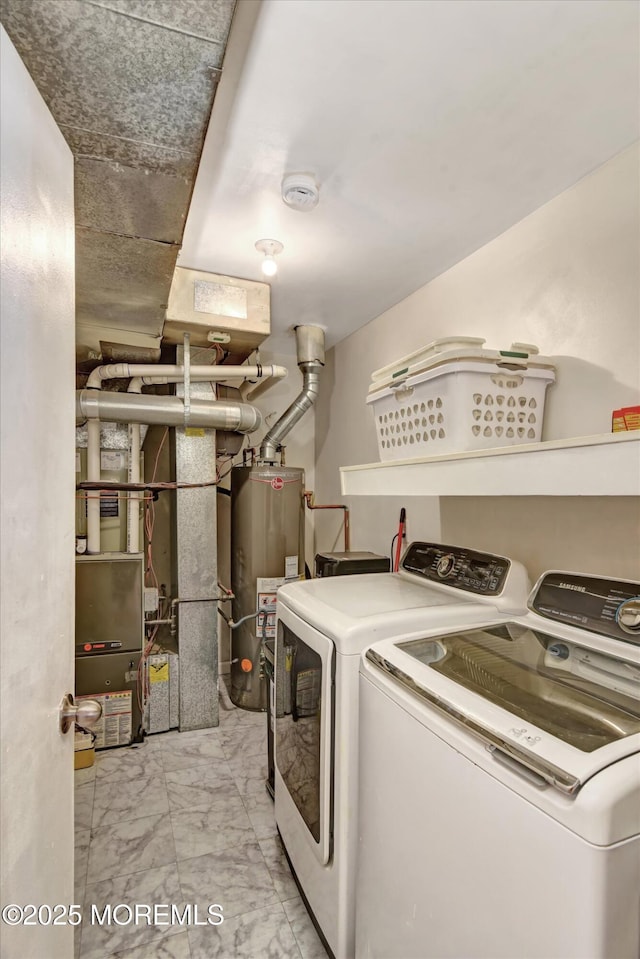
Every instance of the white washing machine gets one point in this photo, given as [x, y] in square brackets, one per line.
[500, 783]
[322, 627]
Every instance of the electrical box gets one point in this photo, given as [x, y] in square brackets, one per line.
[151, 599]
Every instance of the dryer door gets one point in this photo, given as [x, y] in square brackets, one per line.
[303, 725]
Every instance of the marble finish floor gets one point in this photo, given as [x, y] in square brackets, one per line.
[184, 818]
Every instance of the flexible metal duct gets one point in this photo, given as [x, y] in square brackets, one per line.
[165, 411]
[310, 350]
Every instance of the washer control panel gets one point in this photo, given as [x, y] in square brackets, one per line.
[465, 569]
[610, 607]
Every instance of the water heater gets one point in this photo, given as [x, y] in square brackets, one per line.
[267, 549]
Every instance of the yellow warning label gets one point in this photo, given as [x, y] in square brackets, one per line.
[159, 673]
[194, 431]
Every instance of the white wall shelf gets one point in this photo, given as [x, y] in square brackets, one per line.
[603, 465]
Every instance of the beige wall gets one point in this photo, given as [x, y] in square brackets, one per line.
[566, 278]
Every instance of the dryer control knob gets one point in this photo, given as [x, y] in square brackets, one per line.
[628, 615]
[446, 565]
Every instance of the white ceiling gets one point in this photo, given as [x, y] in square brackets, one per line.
[431, 127]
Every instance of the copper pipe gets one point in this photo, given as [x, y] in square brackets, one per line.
[347, 525]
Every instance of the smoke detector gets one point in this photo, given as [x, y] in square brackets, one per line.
[300, 191]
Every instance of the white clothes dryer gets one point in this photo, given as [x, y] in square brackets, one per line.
[500, 783]
[322, 627]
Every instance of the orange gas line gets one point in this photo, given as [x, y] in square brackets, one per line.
[347, 527]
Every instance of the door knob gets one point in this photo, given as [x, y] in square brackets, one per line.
[86, 713]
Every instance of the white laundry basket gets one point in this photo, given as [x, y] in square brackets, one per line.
[454, 396]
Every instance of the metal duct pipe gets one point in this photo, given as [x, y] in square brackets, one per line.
[165, 411]
[310, 351]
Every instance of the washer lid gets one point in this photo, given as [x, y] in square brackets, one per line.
[368, 594]
[355, 611]
[564, 710]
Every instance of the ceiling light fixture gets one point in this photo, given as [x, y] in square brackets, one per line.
[270, 248]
